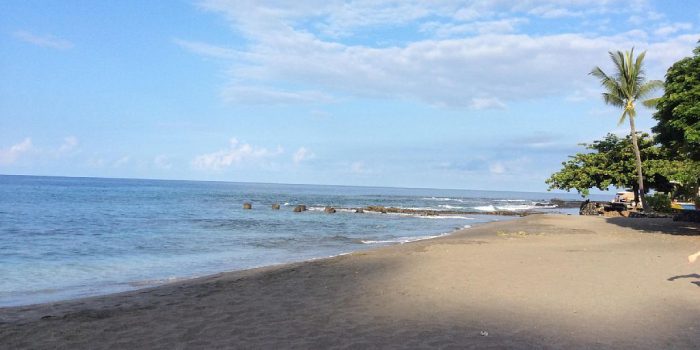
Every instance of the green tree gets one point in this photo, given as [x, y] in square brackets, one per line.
[610, 162]
[678, 112]
[624, 89]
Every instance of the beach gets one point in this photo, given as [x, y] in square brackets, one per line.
[543, 281]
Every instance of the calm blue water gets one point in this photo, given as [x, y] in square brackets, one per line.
[64, 238]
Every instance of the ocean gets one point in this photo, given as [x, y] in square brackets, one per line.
[64, 238]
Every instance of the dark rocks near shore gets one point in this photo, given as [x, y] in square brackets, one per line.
[329, 210]
[688, 216]
[247, 206]
[276, 206]
[606, 209]
[359, 210]
[300, 208]
[590, 208]
[563, 203]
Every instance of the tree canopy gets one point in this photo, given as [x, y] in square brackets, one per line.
[611, 162]
[678, 112]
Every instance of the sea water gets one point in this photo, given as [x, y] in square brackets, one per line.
[63, 238]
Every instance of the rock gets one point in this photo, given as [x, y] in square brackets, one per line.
[329, 210]
[612, 214]
[562, 203]
[247, 206]
[300, 208]
[636, 214]
[359, 210]
[619, 207]
[377, 208]
[276, 206]
[589, 208]
[688, 216]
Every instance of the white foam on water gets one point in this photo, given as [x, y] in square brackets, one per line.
[444, 199]
[402, 240]
[447, 206]
[417, 208]
[439, 217]
[156, 282]
[514, 207]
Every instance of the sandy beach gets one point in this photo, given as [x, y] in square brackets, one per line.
[544, 281]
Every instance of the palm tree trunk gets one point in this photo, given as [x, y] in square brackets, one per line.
[637, 155]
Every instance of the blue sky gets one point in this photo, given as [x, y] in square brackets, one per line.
[450, 94]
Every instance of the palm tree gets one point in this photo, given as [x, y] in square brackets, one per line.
[625, 88]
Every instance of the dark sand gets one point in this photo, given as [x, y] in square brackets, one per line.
[539, 282]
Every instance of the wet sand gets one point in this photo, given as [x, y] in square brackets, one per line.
[544, 281]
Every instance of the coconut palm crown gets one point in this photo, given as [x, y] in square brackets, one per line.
[626, 87]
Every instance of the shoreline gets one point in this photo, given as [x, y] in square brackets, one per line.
[144, 284]
[539, 281]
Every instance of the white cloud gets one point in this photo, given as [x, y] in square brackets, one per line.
[302, 154]
[237, 153]
[296, 46]
[487, 103]
[268, 95]
[121, 161]
[509, 167]
[442, 29]
[497, 168]
[162, 161]
[11, 154]
[669, 29]
[205, 49]
[96, 162]
[359, 168]
[49, 41]
[69, 144]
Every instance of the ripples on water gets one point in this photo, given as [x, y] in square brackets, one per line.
[71, 237]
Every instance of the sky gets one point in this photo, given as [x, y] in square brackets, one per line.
[489, 95]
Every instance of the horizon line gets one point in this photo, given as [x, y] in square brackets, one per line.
[295, 184]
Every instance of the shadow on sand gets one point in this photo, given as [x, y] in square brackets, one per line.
[658, 225]
[692, 275]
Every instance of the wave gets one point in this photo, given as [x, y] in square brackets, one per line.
[402, 240]
[486, 208]
[438, 217]
[514, 207]
[444, 199]
[447, 206]
[155, 282]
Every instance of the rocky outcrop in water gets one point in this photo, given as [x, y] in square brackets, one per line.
[300, 208]
[247, 206]
[563, 203]
[276, 206]
[329, 210]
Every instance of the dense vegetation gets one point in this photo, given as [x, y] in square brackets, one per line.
[669, 160]
[678, 112]
[611, 162]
